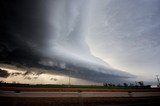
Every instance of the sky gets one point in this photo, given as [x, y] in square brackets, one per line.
[96, 40]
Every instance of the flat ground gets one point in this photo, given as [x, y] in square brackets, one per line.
[12, 96]
[79, 101]
[78, 94]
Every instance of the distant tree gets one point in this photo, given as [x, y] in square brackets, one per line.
[140, 83]
[105, 84]
[110, 84]
[125, 84]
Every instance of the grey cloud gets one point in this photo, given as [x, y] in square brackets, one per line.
[128, 33]
[4, 73]
[53, 35]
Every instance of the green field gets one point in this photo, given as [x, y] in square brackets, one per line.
[71, 86]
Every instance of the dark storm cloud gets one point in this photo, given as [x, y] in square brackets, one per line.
[26, 32]
[4, 73]
[23, 30]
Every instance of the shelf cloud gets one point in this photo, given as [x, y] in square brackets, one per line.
[79, 36]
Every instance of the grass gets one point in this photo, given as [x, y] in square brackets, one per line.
[69, 86]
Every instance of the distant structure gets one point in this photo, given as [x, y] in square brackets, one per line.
[158, 83]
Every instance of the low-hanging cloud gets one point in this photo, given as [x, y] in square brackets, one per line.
[4, 73]
[52, 34]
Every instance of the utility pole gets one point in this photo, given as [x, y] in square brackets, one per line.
[158, 83]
